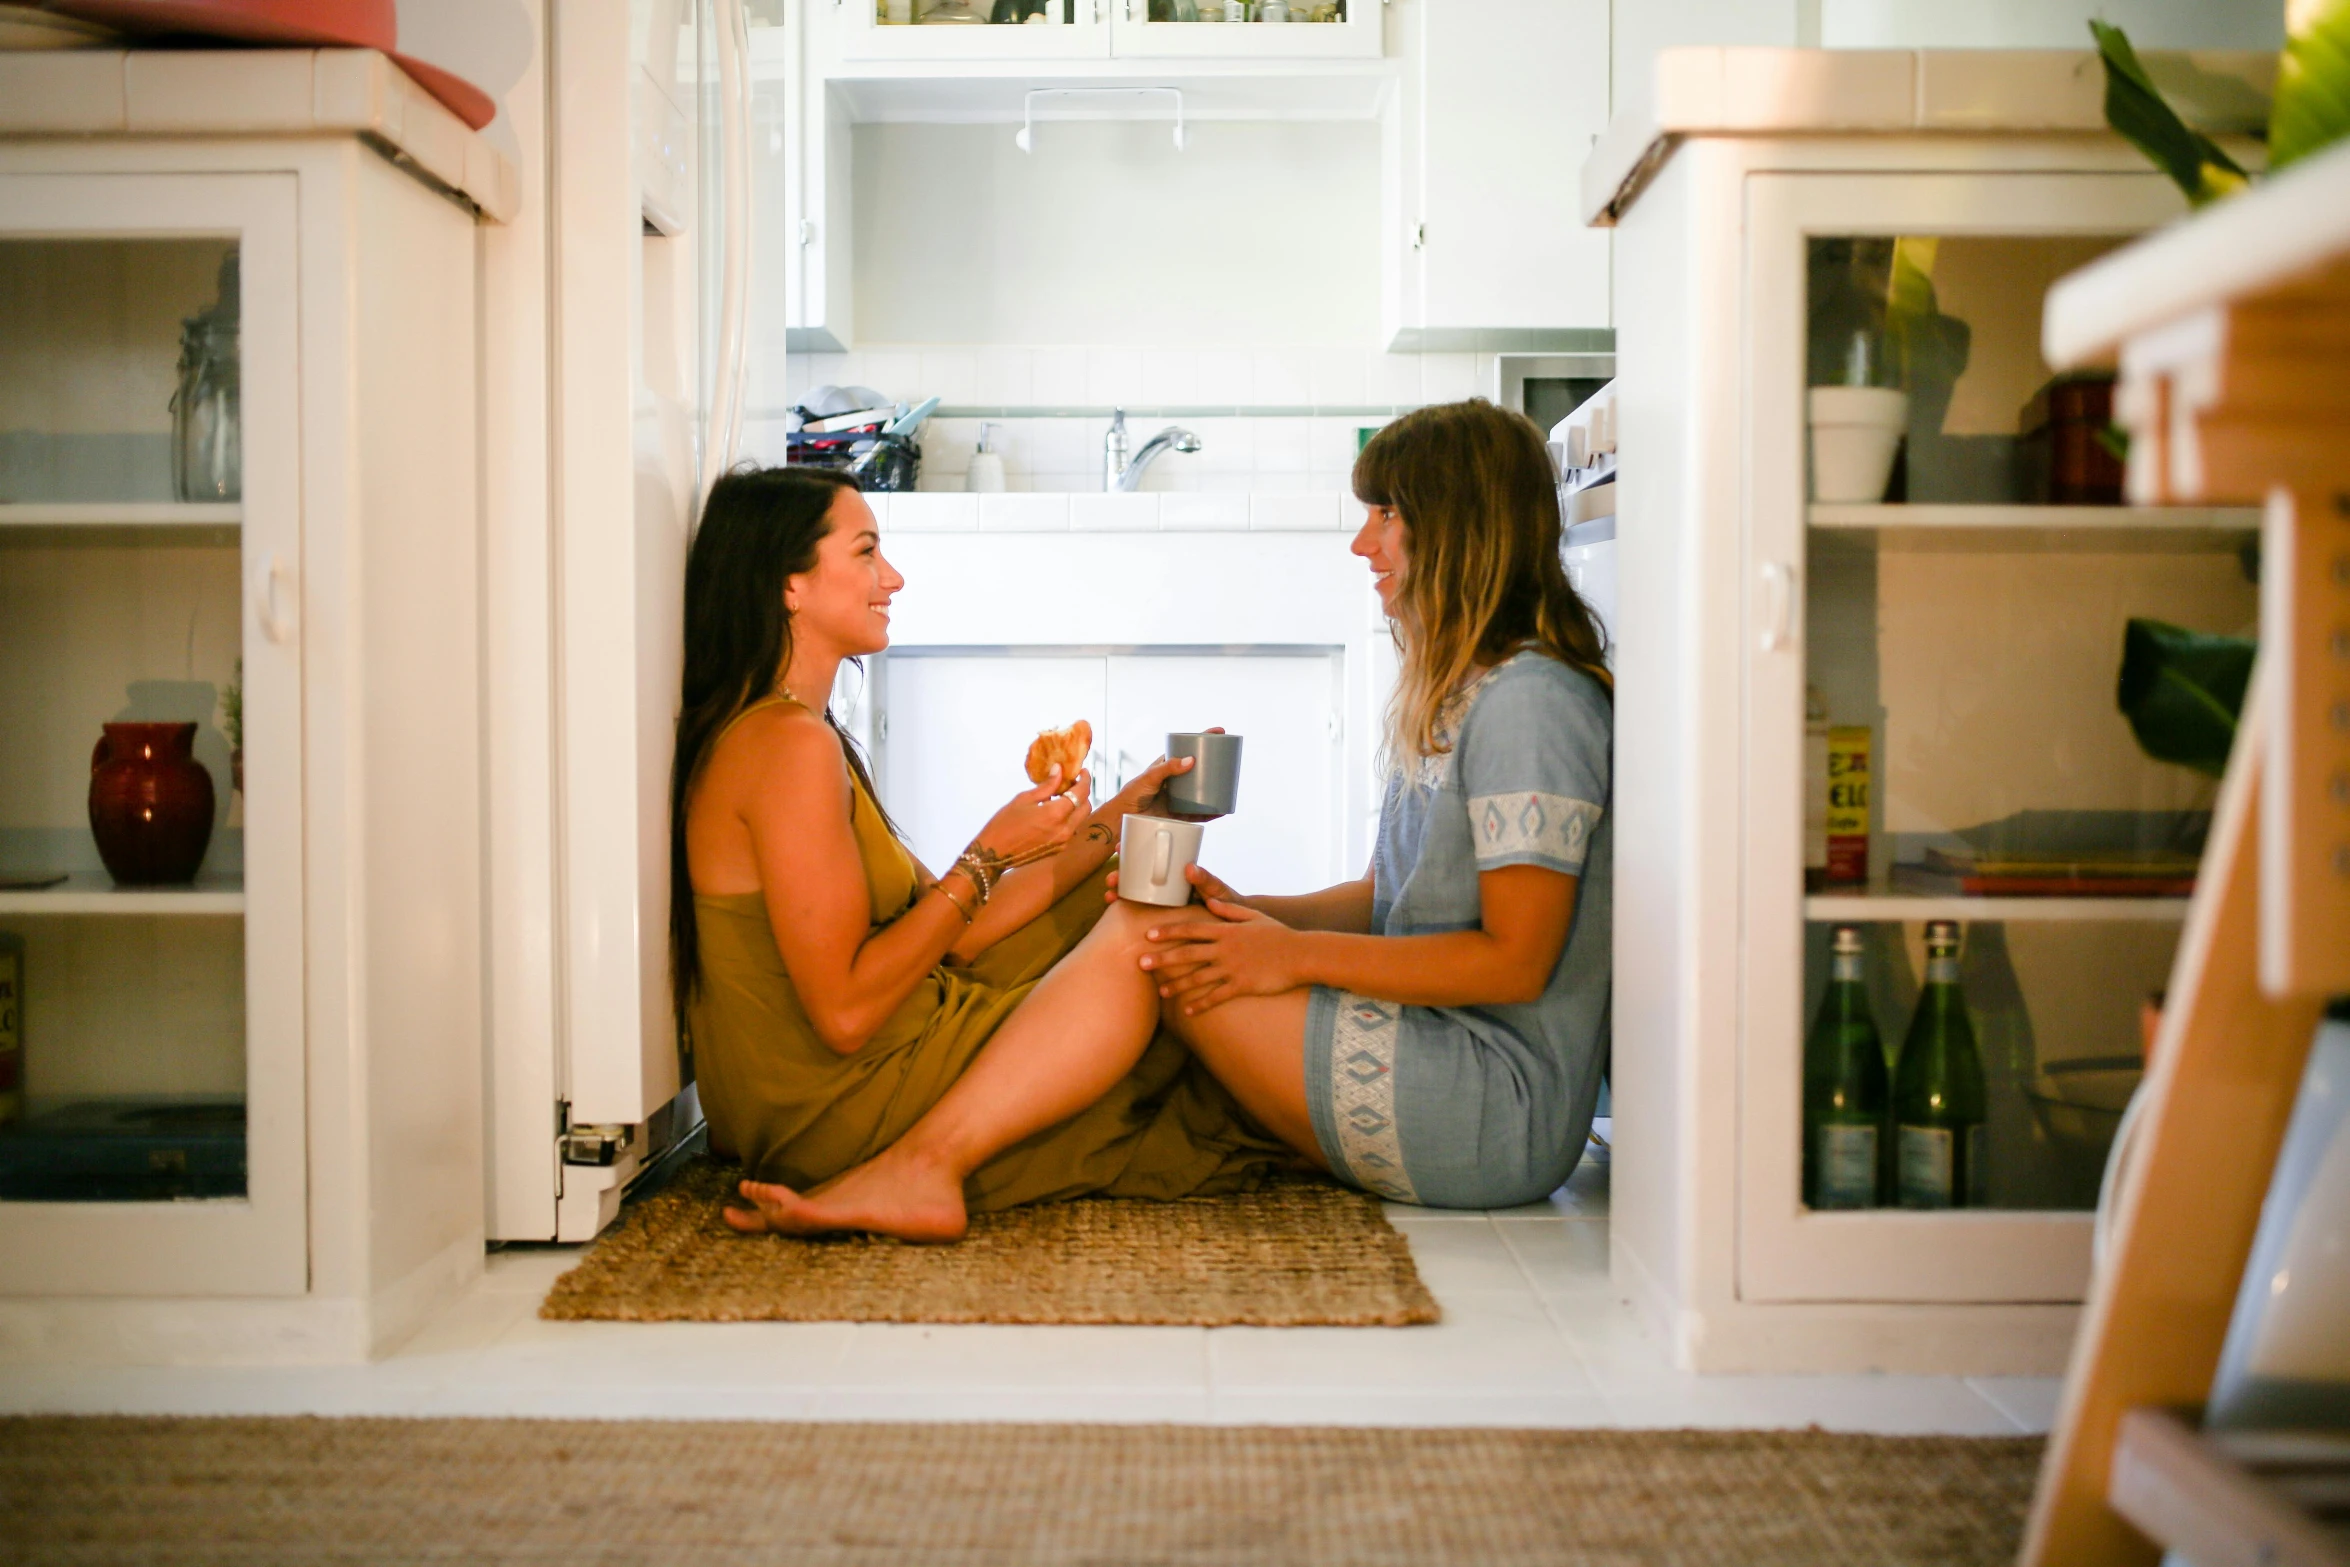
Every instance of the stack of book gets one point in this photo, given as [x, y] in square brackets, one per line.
[2069, 873]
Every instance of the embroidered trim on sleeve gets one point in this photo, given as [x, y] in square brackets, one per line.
[1362, 1094]
[1547, 827]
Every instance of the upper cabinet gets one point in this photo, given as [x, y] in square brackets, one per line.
[1035, 30]
[1502, 101]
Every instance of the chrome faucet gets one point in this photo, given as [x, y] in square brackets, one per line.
[1120, 474]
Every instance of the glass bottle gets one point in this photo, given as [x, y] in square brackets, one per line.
[207, 458]
[1844, 1088]
[1939, 1135]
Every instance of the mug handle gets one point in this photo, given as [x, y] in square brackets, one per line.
[99, 753]
[1165, 859]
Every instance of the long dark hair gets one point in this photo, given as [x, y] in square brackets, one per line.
[759, 527]
[1482, 575]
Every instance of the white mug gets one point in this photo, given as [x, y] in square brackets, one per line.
[1153, 854]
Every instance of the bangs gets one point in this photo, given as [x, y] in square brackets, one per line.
[1373, 479]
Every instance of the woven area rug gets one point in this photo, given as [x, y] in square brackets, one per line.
[90, 1492]
[1295, 1252]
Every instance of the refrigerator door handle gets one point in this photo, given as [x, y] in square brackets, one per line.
[724, 435]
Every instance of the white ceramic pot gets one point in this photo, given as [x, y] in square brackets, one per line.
[1855, 431]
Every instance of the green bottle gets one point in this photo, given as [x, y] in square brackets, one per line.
[1938, 1100]
[1844, 1090]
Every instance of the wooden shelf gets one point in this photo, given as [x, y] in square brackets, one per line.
[2039, 529]
[2228, 1497]
[1863, 908]
[97, 894]
[121, 514]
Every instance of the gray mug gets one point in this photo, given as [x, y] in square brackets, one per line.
[1212, 787]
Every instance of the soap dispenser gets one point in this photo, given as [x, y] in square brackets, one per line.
[986, 473]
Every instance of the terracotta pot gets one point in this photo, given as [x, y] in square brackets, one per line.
[150, 803]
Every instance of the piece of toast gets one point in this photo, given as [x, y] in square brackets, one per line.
[1068, 747]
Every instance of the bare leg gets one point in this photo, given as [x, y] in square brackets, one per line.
[1082, 1028]
[1256, 1047]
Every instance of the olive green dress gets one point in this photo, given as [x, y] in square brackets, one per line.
[796, 1112]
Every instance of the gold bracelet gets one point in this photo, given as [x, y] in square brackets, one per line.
[948, 894]
[982, 866]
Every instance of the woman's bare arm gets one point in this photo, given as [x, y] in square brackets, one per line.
[1247, 952]
[1345, 907]
[1025, 894]
[793, 793]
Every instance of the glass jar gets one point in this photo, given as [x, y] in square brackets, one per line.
[207, 447]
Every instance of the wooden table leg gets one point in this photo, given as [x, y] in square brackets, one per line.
[2226, 1071]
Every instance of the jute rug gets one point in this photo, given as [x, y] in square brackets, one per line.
[91, 1492]
[1295, 1252]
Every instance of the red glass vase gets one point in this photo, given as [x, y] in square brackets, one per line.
[150, 803]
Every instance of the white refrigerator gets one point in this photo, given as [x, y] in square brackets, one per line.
[644, 264]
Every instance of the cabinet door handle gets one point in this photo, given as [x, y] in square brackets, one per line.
[278, 624]
[1778, 581]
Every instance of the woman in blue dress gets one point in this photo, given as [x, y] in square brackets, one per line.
[1435, 1031]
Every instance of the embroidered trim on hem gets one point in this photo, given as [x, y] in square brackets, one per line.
[1362, 1094]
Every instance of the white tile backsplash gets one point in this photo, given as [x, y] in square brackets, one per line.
[951, 375]
[1203, 513]
[1282, 376]
[1010, 513]
[1060, 377]
[1447, 378]
[1114, 513]
[1007, 377]
[1341, 378]
[1170, 377]
[1283, 445]
[1113, 375]
[1226, 376]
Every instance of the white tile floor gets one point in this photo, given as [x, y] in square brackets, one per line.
[1533, 1335]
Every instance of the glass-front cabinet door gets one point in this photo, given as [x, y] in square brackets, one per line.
[1247, 29]
[1098, 29]
[1963, 875]
[973, 29]
[151, 1082]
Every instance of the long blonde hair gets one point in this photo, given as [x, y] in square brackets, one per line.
[1482, 577]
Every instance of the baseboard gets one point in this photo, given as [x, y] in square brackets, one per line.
[397, 1312]
[272, 1330]
[277, 1330]
[1972, 1341]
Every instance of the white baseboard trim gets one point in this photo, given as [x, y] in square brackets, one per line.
[301, 1330]
[399, 1310]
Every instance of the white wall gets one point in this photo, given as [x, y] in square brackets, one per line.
[1259, 233]
[2049, 24]
[1639, 28]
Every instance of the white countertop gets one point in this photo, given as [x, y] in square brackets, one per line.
[1975, 92]
[253, 92]
[2288, 226]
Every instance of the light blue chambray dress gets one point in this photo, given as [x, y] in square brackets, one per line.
[1486, 1106]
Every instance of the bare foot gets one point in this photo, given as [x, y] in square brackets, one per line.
[899, 1197]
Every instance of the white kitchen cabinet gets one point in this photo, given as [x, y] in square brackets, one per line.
[951, 731]
[1502, 100]
[800, 181]
[1975, 634]
[253, 1126]
[1083, 30]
